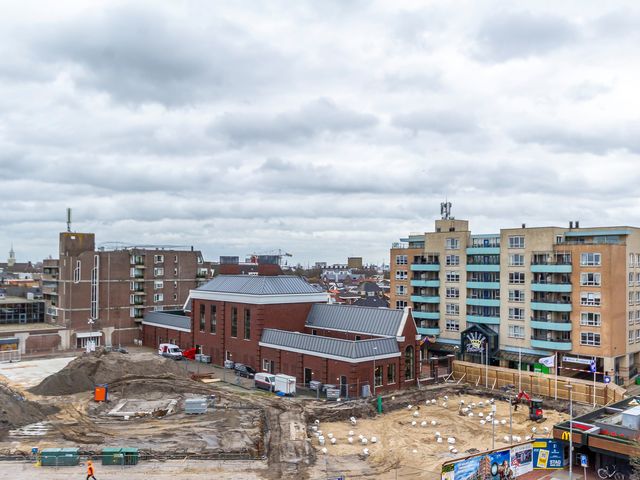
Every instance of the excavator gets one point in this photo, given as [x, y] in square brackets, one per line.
[535, 406]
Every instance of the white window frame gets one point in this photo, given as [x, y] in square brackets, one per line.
[402, 274]
[400, 304]
[516, 241]
[452, 309]
[631, 337]
[452, 243]
[452, 276]
[452, 292]
[158, 284]
[517, 275]
[401, 290]
[516, 296]
[158, 259]
[595, 280]
[590, 319]
[516, 313]
[401, 260]
[452, 260]
[158, 297]
[158, 271]
[452, 325]
[590, 339]
[590, 299]
[516, 259]
[590, 259]
[516, 331]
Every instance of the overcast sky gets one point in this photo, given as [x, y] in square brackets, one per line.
[325, 128]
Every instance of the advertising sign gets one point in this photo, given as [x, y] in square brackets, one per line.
[522, 459]
[548, 454]
[540, 368]
[583, 361]
[475, 342]
[490, 466]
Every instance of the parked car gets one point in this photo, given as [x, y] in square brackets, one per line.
[265, 381]
[243, 370]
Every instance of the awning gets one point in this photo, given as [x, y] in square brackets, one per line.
[9, 341]
[514, 356]
[88, 334]
[443, 347]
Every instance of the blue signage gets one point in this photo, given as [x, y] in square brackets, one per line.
[592, 366]
[607, 379]
[492, 466]
[548, 454]
[584, 460]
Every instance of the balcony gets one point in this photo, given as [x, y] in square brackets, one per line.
[551, 344]
[418, 315]
[137, 300]
[488, 267]
[483, 250]
[484, 302]
[551, 287]
[551, 268]
[425, 267]
[429, 331]
[138, 261]
[425, 283]
[484, 285]
[425, 299]
[552, 306]
[135, 273]
[546, 324]
[483, 319]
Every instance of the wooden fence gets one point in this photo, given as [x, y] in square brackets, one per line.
[537, 384]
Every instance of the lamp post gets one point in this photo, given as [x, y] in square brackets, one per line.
[570, 388]
[486, 367]
[510, 419]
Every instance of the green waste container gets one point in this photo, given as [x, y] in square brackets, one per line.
[120, 456]
[59, 457]
[638, 380]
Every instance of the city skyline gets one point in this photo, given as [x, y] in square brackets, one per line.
[326, 130]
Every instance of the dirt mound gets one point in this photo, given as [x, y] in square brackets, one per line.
[16, 411]
[101, 367]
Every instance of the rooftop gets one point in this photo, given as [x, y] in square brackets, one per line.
[383, 322]
[174, 319]
[259, 285]
[330, 347]
[11, 300]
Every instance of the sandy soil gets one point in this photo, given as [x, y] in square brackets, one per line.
[398, 442]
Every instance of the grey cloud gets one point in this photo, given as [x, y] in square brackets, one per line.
[597, 140]
[314, 118]
[139, 56]
[506, 36]
[443, 122]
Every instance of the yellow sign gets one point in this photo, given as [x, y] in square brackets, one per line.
[565, 436]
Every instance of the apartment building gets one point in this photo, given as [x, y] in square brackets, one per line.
[513, 297]
[102, 295]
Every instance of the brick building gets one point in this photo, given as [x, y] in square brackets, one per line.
[281, 324]
[103, 294]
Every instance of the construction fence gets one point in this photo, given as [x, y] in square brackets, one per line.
[538, 384]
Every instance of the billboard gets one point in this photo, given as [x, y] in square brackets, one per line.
[548, 454]
[507, 463]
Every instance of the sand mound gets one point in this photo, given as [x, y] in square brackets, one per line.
[16, 411]
[101, 367]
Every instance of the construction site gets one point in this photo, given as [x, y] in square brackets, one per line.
[239, 430]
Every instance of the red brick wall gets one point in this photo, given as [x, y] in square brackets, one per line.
[281, 316]
[151, 337]
[42, 343]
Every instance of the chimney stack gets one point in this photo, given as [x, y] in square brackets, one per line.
[570, 224]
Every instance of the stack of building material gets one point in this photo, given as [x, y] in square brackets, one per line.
[196, 405]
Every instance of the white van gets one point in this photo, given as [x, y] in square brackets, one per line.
[170, 350]
[265, 381]
[286, 384]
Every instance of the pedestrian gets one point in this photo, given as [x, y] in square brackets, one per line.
[90, 470]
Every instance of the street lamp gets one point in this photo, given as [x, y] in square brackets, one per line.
[570, 388]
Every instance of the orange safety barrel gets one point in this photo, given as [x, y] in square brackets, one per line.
[100, 393]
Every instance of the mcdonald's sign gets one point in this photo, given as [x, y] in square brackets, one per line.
[565, 436]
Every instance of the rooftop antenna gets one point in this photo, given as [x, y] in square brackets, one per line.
[445, 210]
[68, 219]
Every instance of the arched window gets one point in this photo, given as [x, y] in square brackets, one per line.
[409, 363]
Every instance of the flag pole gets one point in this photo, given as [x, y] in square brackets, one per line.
[555, 367]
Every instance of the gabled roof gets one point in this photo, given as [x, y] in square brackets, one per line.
[328, 347]
[174, 320]
[383, 322]
[258, 285]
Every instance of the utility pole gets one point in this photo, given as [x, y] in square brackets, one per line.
[570, 388]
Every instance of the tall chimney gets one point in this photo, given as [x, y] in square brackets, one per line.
[570, 224]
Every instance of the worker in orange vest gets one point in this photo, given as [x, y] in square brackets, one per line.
[90, 470]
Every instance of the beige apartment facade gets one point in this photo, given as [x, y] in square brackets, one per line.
[525, 293]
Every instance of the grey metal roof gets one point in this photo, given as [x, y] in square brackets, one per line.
[366, 320]
[258, 285]
[169, 319]
[316, 344]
